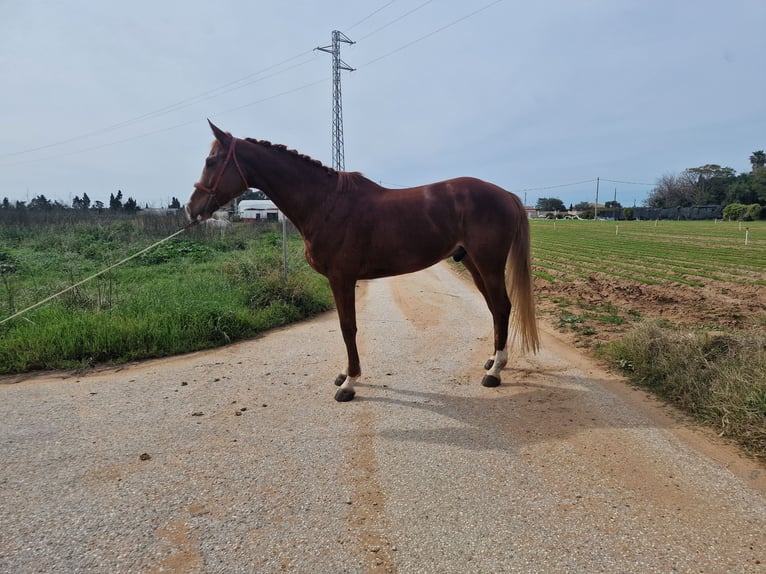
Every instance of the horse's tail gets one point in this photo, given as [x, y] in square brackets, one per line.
[518, 282]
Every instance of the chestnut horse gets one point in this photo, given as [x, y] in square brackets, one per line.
[355, 229]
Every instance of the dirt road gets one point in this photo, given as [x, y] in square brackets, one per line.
[239, 460]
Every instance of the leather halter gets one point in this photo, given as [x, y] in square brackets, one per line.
[229, 156]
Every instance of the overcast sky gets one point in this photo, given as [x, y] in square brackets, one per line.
[100, 96]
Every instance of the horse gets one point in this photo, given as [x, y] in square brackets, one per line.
[354, 229]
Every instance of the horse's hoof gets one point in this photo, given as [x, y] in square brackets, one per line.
[490, 381]
[489, 364]
[340, 379]
[343, 395]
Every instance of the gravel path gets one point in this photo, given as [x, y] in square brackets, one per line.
[239, 459]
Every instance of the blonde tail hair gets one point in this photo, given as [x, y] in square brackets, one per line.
[518, 282]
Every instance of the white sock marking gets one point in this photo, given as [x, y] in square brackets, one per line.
[501, 359]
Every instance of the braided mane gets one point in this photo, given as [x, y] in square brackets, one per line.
[292, 152]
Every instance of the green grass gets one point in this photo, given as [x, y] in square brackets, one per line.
[716, 377]
[203, 289]
[664, 252]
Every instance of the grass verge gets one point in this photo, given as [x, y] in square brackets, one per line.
[201, 290]
[716, 377]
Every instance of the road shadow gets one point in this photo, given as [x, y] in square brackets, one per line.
[549, 406]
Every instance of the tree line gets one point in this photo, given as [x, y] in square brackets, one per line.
[709, 184]
[116, 203]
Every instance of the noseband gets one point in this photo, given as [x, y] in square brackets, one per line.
[229, 156]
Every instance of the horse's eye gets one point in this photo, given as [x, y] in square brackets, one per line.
[209, 162]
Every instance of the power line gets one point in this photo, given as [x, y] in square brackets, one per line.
[181, 104]
[209, 94]
[432, 33]
[554, 186]
[628, 182]
[229, 87]
[395, 20]
[167, 129]
[370, 15]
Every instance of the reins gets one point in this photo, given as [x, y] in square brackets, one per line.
[152, 246]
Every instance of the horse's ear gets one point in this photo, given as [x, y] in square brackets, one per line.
[220, 135]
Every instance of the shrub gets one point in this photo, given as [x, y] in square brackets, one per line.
[173, 250]
[735, 212]
[753, 211]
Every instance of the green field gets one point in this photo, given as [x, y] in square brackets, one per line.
[649, 252]
[205, 288]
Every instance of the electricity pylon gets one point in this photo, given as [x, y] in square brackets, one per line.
[337, 103]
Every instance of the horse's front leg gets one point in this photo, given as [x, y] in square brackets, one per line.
[344, 295]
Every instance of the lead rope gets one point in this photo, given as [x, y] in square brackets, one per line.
[152, 246]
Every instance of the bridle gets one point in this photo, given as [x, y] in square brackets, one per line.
[229, 156]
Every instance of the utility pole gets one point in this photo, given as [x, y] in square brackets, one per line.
[337, 103]
[595, 205]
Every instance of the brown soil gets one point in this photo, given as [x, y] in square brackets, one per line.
[716, 305]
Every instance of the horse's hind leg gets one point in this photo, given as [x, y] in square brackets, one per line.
[492, 287]
[500, 306]
[479, 282]
[344, 295]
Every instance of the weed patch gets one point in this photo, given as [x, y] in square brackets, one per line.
[716, 377]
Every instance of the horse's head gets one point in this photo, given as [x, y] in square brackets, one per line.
[221, 181]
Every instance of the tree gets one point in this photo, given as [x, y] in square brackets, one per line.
[41, 202]
[6, 203]
[85, 201]
[583, 206]
[115, 201]
[674, 191]
[758, 160]
[758, 185]
[131, 205]
[550, 204]
[613, 205]
[175, 204]
[254, 194]
[712, 182]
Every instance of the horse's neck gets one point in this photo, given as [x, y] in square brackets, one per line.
[297, 187]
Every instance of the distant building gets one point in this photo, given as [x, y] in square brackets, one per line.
[258, 210]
